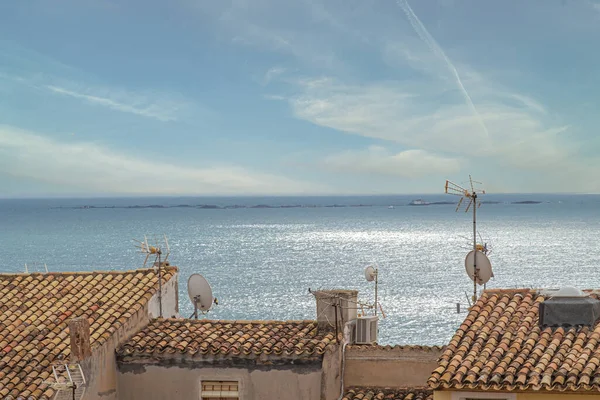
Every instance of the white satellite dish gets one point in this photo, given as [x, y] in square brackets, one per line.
[370, 274]
[484, 267]
[200, 293]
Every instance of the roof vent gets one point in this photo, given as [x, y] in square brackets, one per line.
[568, 306]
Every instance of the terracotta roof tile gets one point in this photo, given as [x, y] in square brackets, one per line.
[397, 347]
[500, 346]
[364, 393]
[187, 339]
[35, 310]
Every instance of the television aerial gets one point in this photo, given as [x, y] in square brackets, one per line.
[201, 294]
[156, 251]
[479, 258]
[69, 382]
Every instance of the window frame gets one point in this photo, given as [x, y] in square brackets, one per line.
[483, 396]
[224, 380]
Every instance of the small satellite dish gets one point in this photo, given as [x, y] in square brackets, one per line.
[484, 267]
[370, 274]
[200, 292]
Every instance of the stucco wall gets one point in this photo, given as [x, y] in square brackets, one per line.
[150, 382]
[170, 300]
[101, 368]
[389, 366]
[447, 395]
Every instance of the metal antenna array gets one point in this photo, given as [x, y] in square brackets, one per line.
[158, 262]
[69, 382]
[480, 271]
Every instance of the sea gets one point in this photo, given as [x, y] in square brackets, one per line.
[261, 255]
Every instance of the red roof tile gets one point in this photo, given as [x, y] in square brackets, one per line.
[500, 347]
[189, 340]
[35, 310]
[363, 393]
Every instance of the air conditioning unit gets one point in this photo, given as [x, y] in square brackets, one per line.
[366, 329]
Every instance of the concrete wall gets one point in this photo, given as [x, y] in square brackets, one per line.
[101, 368]
[170, 300]
[331, 374]
[151, 382]
[398, 366]
[450, 395]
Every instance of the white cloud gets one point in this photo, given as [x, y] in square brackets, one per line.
[378, 161]
[272, 73]
[124, 102]
[92, 167]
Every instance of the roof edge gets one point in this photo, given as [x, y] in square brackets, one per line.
[171, 268]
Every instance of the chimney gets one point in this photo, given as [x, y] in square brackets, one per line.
[335, 306]
[79, 329]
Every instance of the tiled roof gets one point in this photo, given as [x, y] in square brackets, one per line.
[34, 314]
[397, 347]
[363, 393]
[197, 340]
[500, 346]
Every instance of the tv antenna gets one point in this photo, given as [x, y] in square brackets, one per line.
[69, 382]
[471, 198]
[200, 294]
[157, 251]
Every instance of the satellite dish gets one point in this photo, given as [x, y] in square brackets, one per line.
[370, 274]
[200, 292]
[484, 267]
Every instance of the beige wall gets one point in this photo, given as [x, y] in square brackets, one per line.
[101, 368]
[170, 300]
[389, 366]
[447, 395]
[163, 383]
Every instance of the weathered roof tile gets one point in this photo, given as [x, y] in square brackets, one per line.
[208, 339]
[366, 393]
[500, 346]
[34, 314]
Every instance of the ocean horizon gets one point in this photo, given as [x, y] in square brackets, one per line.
[261, 254]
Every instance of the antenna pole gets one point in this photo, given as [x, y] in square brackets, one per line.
[474, 247]
[159, 286]
[376, 275]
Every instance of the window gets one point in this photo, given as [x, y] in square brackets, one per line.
[483, 396]
[220, 390]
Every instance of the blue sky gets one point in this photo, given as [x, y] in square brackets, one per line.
[189, 97]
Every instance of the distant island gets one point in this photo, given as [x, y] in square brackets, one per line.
[418, 202]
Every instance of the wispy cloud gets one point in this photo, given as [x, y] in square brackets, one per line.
[376, 160]
[95, 168]
[272, 73]
[124, 102]
[436, 49]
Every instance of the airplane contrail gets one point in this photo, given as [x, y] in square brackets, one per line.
[436, 49]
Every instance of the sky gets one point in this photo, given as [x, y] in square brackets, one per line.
[271, 97]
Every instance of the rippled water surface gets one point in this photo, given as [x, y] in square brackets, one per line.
[261, 261]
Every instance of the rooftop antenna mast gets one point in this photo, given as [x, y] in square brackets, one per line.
[371, 274]
[471, 197]
[158, 252]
